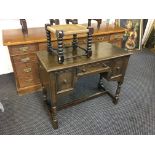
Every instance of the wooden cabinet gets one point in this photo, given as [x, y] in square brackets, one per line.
[23, 51]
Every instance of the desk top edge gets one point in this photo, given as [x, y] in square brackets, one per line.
[119, 53]
[38, 34]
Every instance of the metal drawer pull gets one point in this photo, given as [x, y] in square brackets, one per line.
[83, 70]
[29, 80]
[104, 65]
[25, 59]
[24, 49]
[117, 68]
[64, 81]
[27, 70]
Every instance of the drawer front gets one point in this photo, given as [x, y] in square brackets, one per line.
[116, 36]
[104, 38]
[24, 58]
[116, 66]
[93, 68]
[65, 80]
[27, 81]
[27, 69]
[23, 49]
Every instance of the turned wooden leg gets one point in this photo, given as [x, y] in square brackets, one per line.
[54, 117]
[116, 97]
[44, 92]
[75, 41]
[53, 99]
[89, 42]
[60, 53]
[48, 35]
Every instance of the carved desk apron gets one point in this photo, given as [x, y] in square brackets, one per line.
[58, 79]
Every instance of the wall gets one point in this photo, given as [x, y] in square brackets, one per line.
[5, 63]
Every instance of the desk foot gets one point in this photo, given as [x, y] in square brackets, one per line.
[115, 97]
[54, 118]
[117, 94]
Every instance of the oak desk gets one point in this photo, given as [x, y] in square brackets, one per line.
[23, 49]
[57, 79]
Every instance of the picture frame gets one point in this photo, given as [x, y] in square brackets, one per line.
[132, 38]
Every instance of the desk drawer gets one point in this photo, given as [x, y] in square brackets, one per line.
[116, 36]
[27, 81]
[27, 69]
[116, 67]
[65, 80]
[93, 68]
[23, 49]
[24, 58]
[104, 38]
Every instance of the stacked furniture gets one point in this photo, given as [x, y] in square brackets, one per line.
[23, 49]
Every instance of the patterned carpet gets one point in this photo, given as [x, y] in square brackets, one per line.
[134, 114]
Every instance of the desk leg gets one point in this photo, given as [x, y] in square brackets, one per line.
[116, 97]
[54, 117]
[44, 92]
[53, 98]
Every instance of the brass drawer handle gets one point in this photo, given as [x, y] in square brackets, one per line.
[25, 59]
[24, 49]
[29, 80]
[83, 70]
[64, 81]
[117, 68]
[101, 38]
[104, 65]
[27, 70]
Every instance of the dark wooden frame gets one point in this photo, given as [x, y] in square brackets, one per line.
[60, 35]
[112, 69]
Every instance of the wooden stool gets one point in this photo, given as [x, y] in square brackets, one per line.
[62, 30]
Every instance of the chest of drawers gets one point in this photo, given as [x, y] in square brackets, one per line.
[23, 51]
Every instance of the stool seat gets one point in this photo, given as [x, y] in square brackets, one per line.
[68, 29]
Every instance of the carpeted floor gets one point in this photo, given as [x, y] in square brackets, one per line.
[134, 114]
